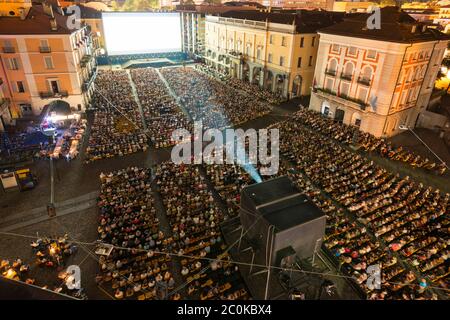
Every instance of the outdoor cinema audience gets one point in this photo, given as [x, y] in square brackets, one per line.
[117, 125]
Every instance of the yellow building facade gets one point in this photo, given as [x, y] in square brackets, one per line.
[276, 51]
[43, 60]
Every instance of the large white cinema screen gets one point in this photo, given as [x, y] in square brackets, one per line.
[141, 32]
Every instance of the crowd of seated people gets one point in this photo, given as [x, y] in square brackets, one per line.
[404, 217]
[52, 253]
[209, 100]
[161, 112]
[228, 180]
[204, 68]
[13, 148]
[194, 218]
[117, 126]
[119, 59]
[138, 265]
[16, 270]
[350, 134]
[249, 88]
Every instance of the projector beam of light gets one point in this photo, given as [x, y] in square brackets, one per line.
[251, 170]
[240, 154]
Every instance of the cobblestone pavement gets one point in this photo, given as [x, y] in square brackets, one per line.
[23, 215]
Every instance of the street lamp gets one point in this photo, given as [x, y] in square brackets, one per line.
[405, 127]
[51, 206]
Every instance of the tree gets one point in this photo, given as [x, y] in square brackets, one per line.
[212, 1]
[388, 3]
[115, 6]
[140, 5]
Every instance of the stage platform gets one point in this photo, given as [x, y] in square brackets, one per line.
[155, 60]
[154, 63]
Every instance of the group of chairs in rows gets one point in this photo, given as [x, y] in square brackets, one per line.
[139, 264]
[162, 113]
[194, 217]
[116, 129]
[348, 134]
[385, 218]
[209, 100]
[250, 88]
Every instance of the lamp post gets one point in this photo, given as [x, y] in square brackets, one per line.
[51, 211]
[405, 127]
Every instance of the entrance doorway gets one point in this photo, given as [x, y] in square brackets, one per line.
[339, 115]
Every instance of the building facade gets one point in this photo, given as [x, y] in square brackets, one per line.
[443, 18]
[193, 32]
[193, 23]
[276, 51]
[299, 4]
[377, 79]
[43, 59]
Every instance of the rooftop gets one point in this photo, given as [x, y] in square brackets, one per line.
[88, 12]
[396, 26]
[306, 21]
[37, 21]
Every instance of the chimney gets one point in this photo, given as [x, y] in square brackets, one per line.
[53, 24]
[48, 9]
[22, 13]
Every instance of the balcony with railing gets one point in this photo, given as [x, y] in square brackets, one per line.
[51, 94]
[45, 49]
[364, 81]
[4, 103]
[9, 50]
[89, 81]
[85, 60]
[347, 77]
[341, 98]
[330, 72]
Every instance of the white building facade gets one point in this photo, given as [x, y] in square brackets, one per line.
[376, 85]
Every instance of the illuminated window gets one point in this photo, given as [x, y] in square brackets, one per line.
[345, 89]
[371, 54]
[335, 48]
[20, 86]
[13, 64]
[329, 84]
[44, 43]
[48, 63]
[362, 94]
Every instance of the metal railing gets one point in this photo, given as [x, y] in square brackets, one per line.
[364, 81]
[4, 103]
[9, 50]
[45, 49]
[50, 94]
[348, 77]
